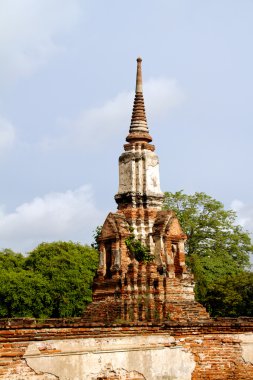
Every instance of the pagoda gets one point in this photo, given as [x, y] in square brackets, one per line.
[157, 285]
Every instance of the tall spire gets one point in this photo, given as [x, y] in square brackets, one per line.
[138, 87]
[138, 129]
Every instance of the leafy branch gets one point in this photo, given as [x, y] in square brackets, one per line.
[96, 234]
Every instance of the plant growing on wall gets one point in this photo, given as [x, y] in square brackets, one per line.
[138, 250]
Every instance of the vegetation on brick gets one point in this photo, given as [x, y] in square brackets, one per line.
[218, 253]
[139, 251]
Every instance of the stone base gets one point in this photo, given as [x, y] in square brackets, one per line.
[144, 293]
[111, 311]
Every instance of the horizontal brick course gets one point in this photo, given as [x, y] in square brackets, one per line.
[215, 344]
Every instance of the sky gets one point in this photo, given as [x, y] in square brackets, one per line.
[67, 79]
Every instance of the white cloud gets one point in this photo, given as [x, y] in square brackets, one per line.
[244, 214]
[30, 32]
[56, 216]
[7, 135]
[101, 124]
[162, 94]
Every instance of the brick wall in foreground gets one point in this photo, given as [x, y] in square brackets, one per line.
[69, 349]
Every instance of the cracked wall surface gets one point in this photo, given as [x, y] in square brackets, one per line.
[217, 350]
[247, 347]
[88, 359]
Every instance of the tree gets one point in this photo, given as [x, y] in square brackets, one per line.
[11, 260]
[24, 294]
[232, 296]
[69, 267]
[54, 280]
[216, 247]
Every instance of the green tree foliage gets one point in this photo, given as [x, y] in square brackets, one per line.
[24, 293]
[10, 260]
[54, 280]
[217, 248]
[232, 296]
[69, 268]
[96, 235]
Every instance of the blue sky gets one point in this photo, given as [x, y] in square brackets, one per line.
[67, 76]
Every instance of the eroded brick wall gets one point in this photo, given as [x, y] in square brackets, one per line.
[69, 349]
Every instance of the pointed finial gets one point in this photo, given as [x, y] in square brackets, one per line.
[138, 87]
[138, 128]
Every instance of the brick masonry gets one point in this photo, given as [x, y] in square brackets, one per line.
[72, 349]
[124, 288]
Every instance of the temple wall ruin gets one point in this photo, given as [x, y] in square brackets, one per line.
[148, 324]
[70, 350]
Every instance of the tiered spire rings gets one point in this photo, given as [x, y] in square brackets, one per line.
[139, 129]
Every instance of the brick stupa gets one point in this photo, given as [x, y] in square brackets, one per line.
[125, 289]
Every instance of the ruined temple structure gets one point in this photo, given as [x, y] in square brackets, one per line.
[143, 323]
[125, 289]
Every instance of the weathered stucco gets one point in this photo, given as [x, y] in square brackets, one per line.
[77, 359]
[70, 350]
[139, 172]
[247, 347]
